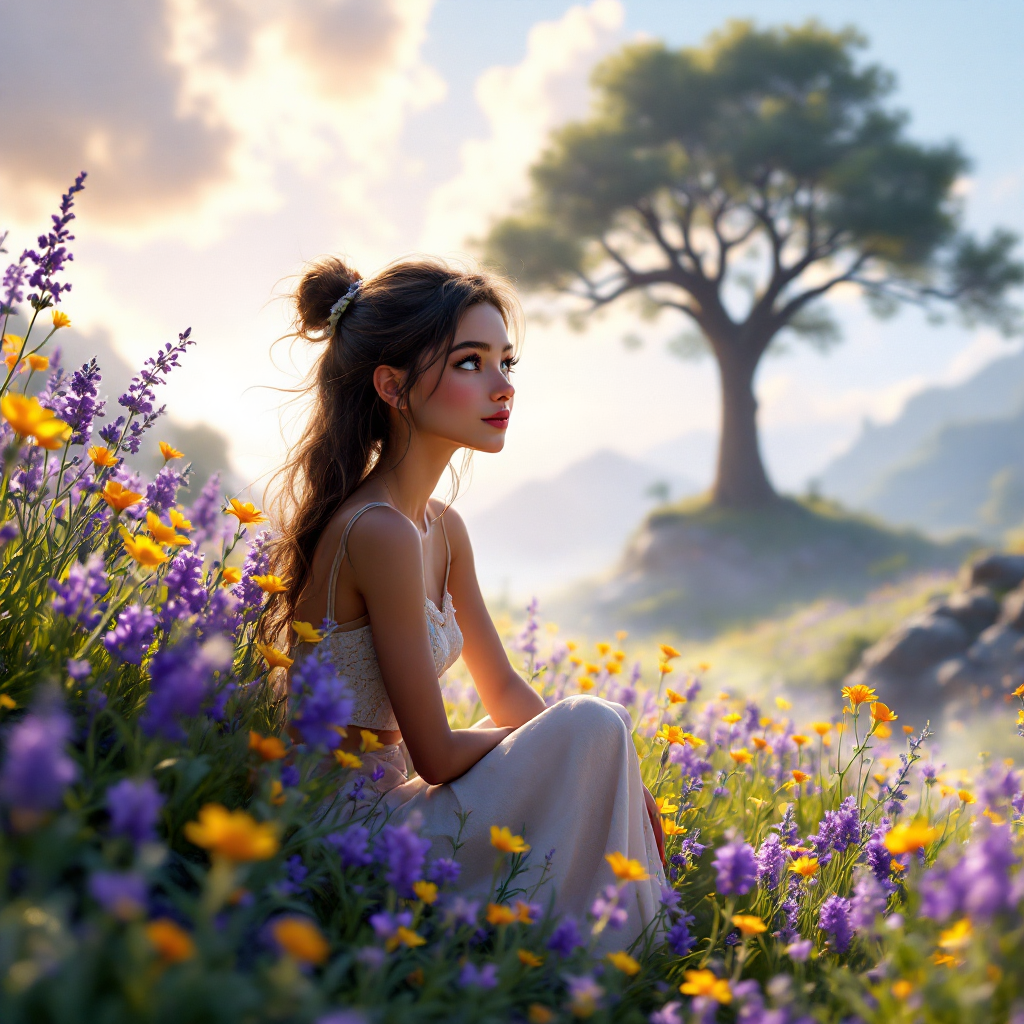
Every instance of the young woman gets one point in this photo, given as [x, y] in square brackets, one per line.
[416, 364]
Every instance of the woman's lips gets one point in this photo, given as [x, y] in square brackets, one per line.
[499, 419]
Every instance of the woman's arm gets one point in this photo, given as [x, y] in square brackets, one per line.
[508, 698]
[387, 561]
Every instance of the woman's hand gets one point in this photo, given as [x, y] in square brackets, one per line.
[655, 816]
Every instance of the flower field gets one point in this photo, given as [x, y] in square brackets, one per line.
[179, 842]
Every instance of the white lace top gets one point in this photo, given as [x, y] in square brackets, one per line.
[352, 650]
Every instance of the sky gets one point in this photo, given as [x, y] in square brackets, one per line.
[229, 141]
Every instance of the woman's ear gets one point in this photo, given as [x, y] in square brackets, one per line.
[388, 381]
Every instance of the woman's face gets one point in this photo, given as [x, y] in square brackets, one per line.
[467, 398]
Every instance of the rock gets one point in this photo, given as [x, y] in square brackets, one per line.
[974, 609]
[917, 646]
[999, 572]
[1013, 611]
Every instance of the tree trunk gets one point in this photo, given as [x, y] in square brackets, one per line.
[740, 479]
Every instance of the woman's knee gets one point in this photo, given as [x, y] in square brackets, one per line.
[598, 717]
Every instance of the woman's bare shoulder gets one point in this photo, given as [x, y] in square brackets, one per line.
[454, 524]
[382, 535]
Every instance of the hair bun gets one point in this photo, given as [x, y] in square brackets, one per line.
[324, 281]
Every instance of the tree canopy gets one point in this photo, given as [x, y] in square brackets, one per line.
[738, 183]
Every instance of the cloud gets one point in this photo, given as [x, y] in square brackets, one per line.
[186, 112]
[522, 103]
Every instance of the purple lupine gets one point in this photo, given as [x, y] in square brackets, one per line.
[787, 828]
[54, 254]
[139, 397]
[668, 1014]
[835, 920]
[736, 866]
[609, 905]
[352, 845]
[296, 873]
[679, 937]
[978, 886]
[205, 513]
[403, 853]
[584, 994]
[790, 911]
[800, 950]
[180, 679]
[321, 700]
[771, 862]
[837, 830]
[186, 594]
[82, 405]
[134, 809]
[385, 924]
[444, 871]
[13, 284]
[472, 976]
[689, 761]
[162, 491]
[878, 857]
[566, 937]
[257, 561]
[36, 769]
[869, 900]
[120, 893]
[460, 911]
[133, 634]
[221, 616]
[78, 596]
[8, 532]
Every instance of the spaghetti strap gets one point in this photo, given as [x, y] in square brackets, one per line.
[340, 555]
[448, 564]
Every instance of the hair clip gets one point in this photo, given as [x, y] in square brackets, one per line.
[341, 305]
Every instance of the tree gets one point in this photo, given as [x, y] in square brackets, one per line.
[738, 184]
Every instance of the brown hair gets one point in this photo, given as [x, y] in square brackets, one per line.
[404, 317]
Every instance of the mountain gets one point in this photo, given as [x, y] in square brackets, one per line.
[548, 532]
[868, 469]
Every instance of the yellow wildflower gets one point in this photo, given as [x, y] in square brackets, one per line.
[613, 668]
[170, 940]
[102, 456]
[502, 839]
[859, 694]
[165, 534]
[404, 937]
[619, 655]
[347, 760]
[370, 741]
[178, 521]
[118, 497]
[499, 914]
[908, 838]
[7, 702]
[675, 698]
[741, 756]
[60, 319]
[881, 713]
[676, 734]
[805, 867]
[957, 936]
[996, 819]
[761, 744]
[230, 576]
[306, 632]
[528, 959]
[665, 805]
[592, 669]
[668, 652]
[245, 511]
[603, 648]
[39, 363]
[234, 835]
[538, 1013]
[624, 962]
[732, 718]
[821, 728]
[585, 683]
[664, 667]
[966, 796]
[52, 434]
[670, 828]
[168, 451]
[270, 584]
[301, 939]
[27, 417]
[749, 924]
[799, 739]
[426, 892]
[782, 704]
[273, 657]
[270, 748]
[626, 870]
[901, 989]
[708, 984]
[524, 912]
[143, 550]
[799, 776]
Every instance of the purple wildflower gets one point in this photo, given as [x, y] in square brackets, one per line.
[609, 906]
[736, 866]
[205, 515]
[134, 632]
[668, 1014]
[53, 253]
[787, 828]
[461, 911]
[296, 873]
[385, 924]
[78, 597]
[353, 846]
[837, 830]
[402, 852]
[878, 857]
[79, 669]
[444, 871]
[162, 491]
[36, 770]
[978, 886]
[321, 700]
[869, 900]
[139, 397]
[221, 615]
[799, 950]
[180, 679]
[566, 938]
[835, 919]
[771, 862]
[679, 937]
[472, 976]
[81, 407]
[8, 532]
[134, 809]
[670, 898]
[186, 594]
[584, 994]
[122, 894]
[250, 596]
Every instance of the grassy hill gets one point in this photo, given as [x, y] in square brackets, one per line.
[695, 569]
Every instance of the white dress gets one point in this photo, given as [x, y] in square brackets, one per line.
[568, 781]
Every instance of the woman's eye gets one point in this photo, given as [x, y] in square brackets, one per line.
[473, 361]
